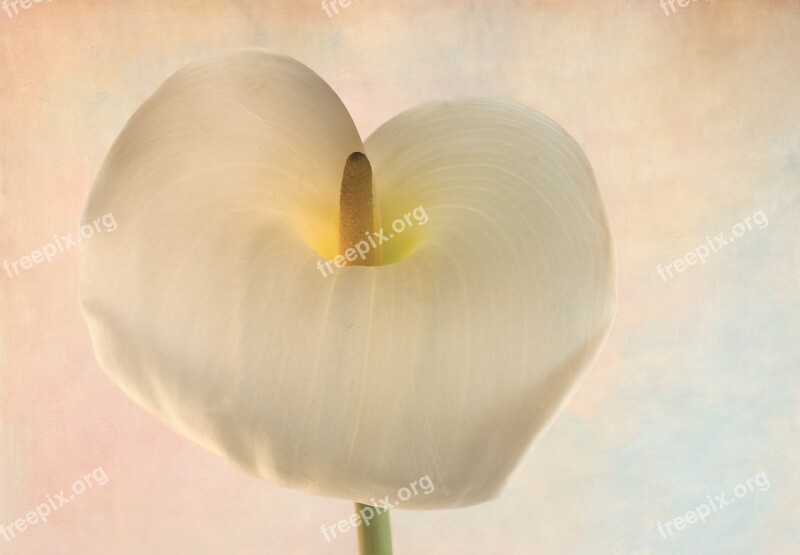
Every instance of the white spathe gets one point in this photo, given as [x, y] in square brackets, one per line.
[207, 307]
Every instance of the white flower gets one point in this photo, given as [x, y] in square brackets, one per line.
[448, 359]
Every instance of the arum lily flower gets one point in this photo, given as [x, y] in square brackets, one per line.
[445, 352]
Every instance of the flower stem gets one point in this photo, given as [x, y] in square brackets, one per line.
[376, 537]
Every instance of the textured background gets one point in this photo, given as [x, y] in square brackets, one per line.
[692, 123]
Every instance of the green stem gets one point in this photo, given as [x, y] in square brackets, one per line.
[375, 539]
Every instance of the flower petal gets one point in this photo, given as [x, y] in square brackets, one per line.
[506, 294]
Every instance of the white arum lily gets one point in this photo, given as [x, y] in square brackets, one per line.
[446, 356]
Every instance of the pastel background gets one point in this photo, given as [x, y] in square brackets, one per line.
[692, 123]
